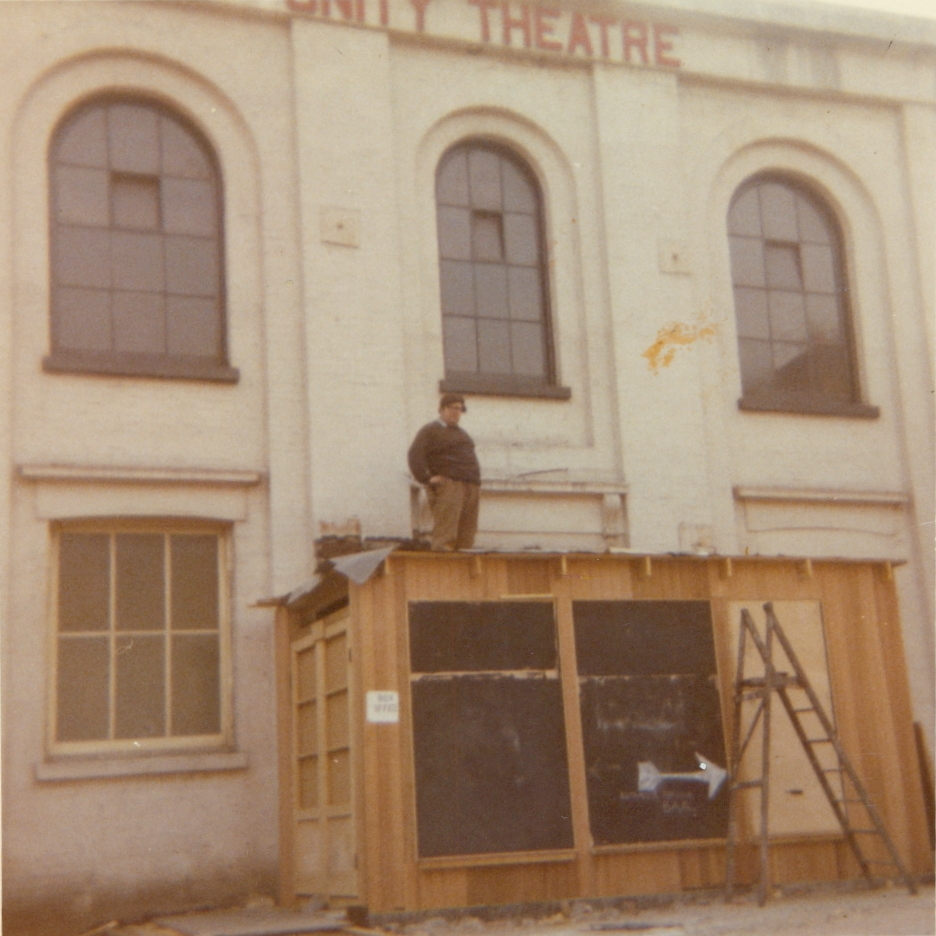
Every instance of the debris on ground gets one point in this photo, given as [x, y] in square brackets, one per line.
[820, 911]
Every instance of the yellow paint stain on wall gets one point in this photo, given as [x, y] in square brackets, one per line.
[670, 337]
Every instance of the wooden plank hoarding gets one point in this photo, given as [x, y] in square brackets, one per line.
[533, 692]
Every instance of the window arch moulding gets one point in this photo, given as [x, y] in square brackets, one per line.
[796, 341]
[494, 288]
[137, 278]
[544, 162]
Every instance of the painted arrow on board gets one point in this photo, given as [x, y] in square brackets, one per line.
[649, 778]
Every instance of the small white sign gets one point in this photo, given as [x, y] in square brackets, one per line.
[383, 707]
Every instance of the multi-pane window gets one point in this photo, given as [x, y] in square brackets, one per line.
[139, 637]
[495, 319]
[136, 248]
[791, 300]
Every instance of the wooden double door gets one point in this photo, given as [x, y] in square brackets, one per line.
[323, 834]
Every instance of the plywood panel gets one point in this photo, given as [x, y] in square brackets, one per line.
[395, 607]
[702, 868]
[803, 861]
[395, 880]
[868, 672]
[766, 580]
[910, 815]
[639, 872]
[435, 578]
[798, 805]
[384, 750]
[599, 578]
[858, 680]
[529, 578]
[448, 888]
[521, 883]
[669, 579]
[568, 673]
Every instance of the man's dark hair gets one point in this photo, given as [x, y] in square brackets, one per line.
[448, 399]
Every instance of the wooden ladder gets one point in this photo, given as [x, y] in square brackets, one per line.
[853, 809]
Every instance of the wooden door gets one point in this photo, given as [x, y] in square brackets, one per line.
[325, 852]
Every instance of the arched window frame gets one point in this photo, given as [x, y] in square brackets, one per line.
[477, 380]
[759, 293]
[166, 362]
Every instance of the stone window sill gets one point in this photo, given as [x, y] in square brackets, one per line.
[802, 405]
[97, 768]
[503, 385]
[161, 366]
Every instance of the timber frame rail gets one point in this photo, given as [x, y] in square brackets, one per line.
[853, 809]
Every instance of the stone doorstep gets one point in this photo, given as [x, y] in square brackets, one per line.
[252, 921]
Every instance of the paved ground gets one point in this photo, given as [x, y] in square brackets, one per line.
[818, 912]
[889, 912]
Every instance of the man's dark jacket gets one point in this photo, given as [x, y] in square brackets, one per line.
[443, 450]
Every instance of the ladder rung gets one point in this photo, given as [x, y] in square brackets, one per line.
[760, 682]
[832, 770]
[809, 708]
[819, 741]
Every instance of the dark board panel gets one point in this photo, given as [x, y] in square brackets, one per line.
[663, 720]
[649, 695]
[616, 638]
[472, 636]
[491, 766]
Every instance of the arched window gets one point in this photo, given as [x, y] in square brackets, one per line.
[137, 283]
[492, 269]
[791, 301]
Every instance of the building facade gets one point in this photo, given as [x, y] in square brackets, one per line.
[679, 257]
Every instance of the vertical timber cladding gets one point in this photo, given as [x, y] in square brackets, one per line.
[479, 646]
[491, 765]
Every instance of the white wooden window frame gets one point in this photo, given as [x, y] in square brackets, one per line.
[128, 747]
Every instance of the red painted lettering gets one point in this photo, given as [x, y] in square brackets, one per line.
[603, 22]
[420, 7]
[578, 35]
[661, 47]
[543, 29]
[384, 12]
[510, 24]
[483, 7]
[635, 36]
[346, 7]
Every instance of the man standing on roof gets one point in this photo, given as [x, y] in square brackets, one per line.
[442, 457]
